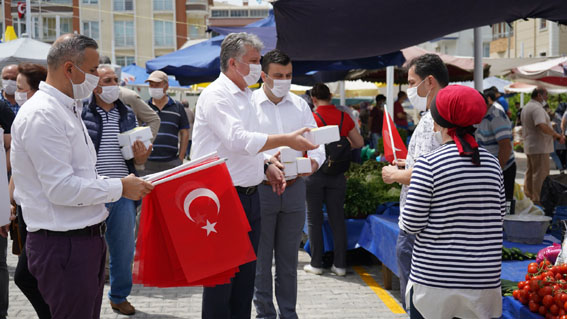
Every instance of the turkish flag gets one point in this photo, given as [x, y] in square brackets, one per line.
[394, 147]
[193, 229]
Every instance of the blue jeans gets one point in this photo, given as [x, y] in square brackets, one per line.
[121, 244]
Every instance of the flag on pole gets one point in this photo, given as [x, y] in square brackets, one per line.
[193, 229]
[394, 147]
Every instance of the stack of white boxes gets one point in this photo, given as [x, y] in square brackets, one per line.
[127, 139]
[323, 135]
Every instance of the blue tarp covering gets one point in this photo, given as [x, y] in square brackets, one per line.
[200, 62]
[141, 75]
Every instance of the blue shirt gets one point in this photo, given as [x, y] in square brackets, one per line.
[173, 118]
[502, 101]
[15, 107]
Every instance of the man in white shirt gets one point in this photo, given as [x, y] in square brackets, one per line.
[283, 214]
[226, 122]
[61, 194]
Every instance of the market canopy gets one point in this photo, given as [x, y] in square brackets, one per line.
[338, 29]
[552, 71]
[140, 76]
[201, 63]
[460, 68]
[23, 50]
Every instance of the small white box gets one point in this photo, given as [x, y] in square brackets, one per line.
[303, 165]
[323, 135]
[127, 152]
[142, 133]
[288, 154]
[290, 169]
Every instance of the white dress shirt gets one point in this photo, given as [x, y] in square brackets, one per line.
[290, 114]
[4, 193]
[226, 122]
[53, 165]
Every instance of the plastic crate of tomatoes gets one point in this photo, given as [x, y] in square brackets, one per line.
[545, 290]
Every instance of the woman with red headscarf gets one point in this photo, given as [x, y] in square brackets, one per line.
[455, 205]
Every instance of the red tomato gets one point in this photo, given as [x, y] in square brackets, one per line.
[563, 317]
[521, 284]
[555, 269]
[545, 291]
[528, 277]
[554, 309]
[535, 284]
[563, 268]
[557, 299]
[535, 297]
[564, 297]
[516, 294]
[542, 310]
[532, 268]
[561, 311]
[547, 300]
[534, 307]
[523, 300]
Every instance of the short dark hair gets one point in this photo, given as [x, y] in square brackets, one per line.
[490, 93]
[401, 94]
[380, 97]
[321, 92]
[104, 59]
[275, 56]
[537, 91]
[34, 74]
[431, 64]
[70, 48]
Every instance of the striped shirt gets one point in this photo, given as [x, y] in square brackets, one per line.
[109, 160]
[456, 209]
[495, 126]
[173, 118]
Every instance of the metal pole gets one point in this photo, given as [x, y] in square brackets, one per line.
[342, 92]
[390, 90]
[478, 59]
[29, 27]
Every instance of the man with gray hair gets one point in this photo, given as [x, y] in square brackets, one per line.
[57, 184]
[226, 122]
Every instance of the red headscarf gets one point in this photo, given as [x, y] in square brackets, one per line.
[458, 108]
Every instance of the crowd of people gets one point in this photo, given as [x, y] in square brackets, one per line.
[74, 195]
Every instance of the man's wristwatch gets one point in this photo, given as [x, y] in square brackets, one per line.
[266, 165]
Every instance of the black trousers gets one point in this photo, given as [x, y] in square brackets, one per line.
[234, 300]
[509, 180]
[25, 280]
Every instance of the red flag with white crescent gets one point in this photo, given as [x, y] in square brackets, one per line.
[394, 147]
[21, 9]
[202, 227]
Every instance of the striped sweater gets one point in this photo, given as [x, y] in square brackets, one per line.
[456, 209]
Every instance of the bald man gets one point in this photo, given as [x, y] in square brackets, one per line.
[57, 184]
[9, 75]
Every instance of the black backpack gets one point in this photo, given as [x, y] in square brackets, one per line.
[338, 155]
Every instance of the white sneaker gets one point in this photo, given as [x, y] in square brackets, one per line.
[338, 271]
[314, 270]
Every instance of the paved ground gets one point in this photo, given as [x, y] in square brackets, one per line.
[324, 296]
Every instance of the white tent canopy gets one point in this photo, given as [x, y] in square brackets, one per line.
[353, 89]
[23, 50]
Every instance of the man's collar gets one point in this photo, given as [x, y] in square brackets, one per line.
[264, 97]
[232, 87]
[58, 95]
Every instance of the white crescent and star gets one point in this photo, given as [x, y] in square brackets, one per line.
[201, 192]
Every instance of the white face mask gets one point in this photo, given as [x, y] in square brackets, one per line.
[420, 103]
[156, 93]
[438, 137]
[254, 75]
[280, 87]
[21, 97]
[9, 86]
[84, 90]
[109, 93]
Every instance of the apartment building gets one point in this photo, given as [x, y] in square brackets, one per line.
[224, 14]
[459, 43]
[528, 39]
[128, 31]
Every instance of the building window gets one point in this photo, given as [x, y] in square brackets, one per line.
[502, 30]
[163, 33]
[124, 33]
[65, 25]
[542, 24]
[123, 5]
[486, 50]
[90, 29]
[195, 32]
[70, 2]
[259, 13]
[124, 60]
[90, 1]
[239, 13]
[163, 5]
[219, 13]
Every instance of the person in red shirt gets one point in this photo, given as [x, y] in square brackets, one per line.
[328, 189]
[401, 117]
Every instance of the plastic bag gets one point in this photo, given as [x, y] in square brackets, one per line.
[550, 253]
[524, 205]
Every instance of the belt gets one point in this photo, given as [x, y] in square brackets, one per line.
[246, 190]
[94, 230]
[288, 182]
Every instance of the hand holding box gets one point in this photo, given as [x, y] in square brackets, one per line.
[323, 135]
[142, 133]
